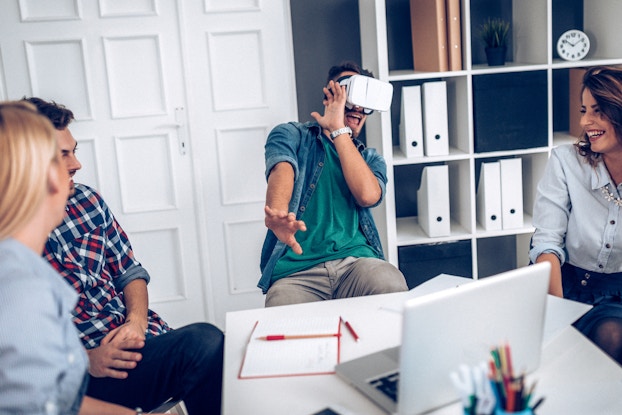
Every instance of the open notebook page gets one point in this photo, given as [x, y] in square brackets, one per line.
[317, 355]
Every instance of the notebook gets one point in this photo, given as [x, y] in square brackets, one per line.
[456, 326]
[292, 346]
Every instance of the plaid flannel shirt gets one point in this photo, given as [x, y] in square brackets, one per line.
[93, 254]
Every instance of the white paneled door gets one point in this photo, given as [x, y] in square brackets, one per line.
[242, 80]
[173, 101]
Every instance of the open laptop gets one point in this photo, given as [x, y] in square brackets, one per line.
[164, 407]
[442, 330]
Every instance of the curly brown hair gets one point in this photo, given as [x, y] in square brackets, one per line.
[347, 66]
[56, 113]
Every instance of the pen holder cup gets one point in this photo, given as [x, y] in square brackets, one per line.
[500, 411]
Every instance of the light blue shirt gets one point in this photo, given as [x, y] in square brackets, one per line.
[42, 361]
[572, 217]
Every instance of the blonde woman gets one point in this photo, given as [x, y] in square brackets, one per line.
[42, 362]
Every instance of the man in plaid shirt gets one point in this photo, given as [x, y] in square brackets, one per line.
[136, 359]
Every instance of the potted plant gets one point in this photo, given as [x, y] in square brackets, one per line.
[494, 32]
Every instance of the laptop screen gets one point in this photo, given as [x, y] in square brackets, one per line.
[458, 326]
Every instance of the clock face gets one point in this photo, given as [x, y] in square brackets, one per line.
[573, 45]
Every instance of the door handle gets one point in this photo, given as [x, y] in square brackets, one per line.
[180, 124]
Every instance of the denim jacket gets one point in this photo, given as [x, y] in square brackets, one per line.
[301, 146]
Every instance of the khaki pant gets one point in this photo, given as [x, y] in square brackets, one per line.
[341, 278]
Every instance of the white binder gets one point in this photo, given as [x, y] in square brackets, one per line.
[411, 123]
[435, 125]
[489, 196]
[512, 193]
[433, 201]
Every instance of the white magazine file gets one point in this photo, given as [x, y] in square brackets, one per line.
[435, 124]
[433, 201]
[489, 197]
[411, 122]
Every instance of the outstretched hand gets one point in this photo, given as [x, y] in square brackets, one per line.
[284, 225]
[334, 107]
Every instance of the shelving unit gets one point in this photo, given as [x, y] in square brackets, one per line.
[535, 26]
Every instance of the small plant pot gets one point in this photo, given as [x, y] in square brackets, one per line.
[496, 56]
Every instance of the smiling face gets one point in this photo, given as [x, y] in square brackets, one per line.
[355, 117]
[599, 130]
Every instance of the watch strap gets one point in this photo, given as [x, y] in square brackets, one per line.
[337, 133]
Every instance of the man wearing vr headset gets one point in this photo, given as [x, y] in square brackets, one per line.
[322, 242]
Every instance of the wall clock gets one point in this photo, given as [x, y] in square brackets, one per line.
[573, 45]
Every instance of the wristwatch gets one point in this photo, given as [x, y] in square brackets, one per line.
[337, 133]
[139, 411]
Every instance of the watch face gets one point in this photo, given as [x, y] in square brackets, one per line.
[573, 45]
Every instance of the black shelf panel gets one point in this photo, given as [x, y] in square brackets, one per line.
[510, 111]
[420, 263]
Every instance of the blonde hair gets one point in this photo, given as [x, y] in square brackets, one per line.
[27, 150]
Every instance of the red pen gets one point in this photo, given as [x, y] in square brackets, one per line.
[350, 329]
[508, 360]
[295, 336]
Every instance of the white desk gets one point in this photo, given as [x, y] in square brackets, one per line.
[574, 375]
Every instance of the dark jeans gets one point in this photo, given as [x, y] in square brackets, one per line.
[185, 363]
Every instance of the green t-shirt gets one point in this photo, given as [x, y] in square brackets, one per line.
[332, 223]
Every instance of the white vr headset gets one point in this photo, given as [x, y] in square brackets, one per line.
[368, 93]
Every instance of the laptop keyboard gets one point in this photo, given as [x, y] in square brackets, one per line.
[387, 384]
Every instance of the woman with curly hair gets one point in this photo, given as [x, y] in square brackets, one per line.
[578, 213]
